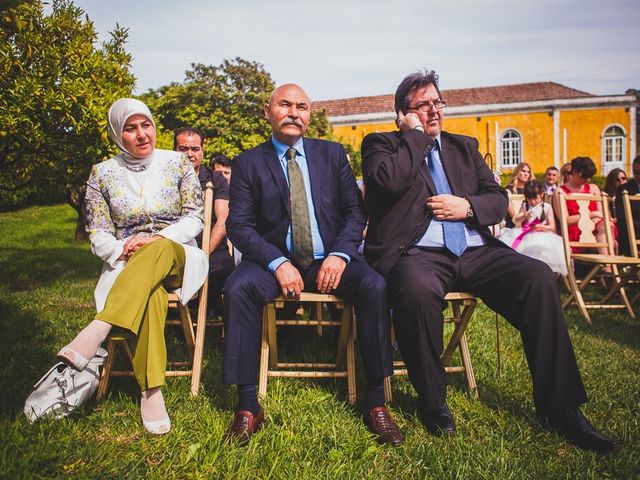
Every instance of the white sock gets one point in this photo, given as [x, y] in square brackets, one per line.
[152, 405]
[88, 340]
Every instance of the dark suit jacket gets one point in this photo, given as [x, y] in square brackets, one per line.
[623, 237]
[260, 209]
[398, 184]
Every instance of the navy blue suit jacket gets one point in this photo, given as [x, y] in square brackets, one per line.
[260, 208]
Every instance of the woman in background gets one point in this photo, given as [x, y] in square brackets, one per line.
[519, 177]
[615, 178]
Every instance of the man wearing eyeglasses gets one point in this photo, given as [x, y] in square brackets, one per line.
[431, 198]
[190, 142]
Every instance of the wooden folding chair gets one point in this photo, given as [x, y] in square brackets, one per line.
[596, 261]
[194, 337]
[462, 308]
[344, 365]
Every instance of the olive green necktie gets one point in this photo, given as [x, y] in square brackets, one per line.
[300, 222]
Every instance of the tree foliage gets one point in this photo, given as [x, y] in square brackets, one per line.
[56, 86]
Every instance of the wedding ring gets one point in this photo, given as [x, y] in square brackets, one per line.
[332, 278]
[289, 293]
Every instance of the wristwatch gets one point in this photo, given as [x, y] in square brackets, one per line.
[470, 213]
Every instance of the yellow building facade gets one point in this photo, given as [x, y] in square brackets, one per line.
[533, 123]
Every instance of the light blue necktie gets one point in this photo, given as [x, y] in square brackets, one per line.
[454, 237]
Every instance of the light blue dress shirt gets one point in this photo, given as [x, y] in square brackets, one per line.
[301, 160]
[434, 236]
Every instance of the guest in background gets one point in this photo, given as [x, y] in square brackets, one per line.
[582, 170]
[551, 175]
[633, 187]
[221, 163]
[615, 178]
[537, 238]
[520, 175]
[191, 142]
[565, 172]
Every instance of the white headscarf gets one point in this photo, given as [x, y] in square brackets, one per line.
[118, 115]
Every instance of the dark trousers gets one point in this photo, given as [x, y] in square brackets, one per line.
[521, 289]
[251, 286]
[220, 267]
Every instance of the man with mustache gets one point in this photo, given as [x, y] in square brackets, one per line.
[297, 216]
[431, 199]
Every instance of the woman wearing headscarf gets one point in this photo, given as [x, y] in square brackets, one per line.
[144, 209]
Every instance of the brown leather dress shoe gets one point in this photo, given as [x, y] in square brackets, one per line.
[244, 425]
[380, 422]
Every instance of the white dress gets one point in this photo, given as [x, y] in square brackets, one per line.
[165, 198]
[544, 246]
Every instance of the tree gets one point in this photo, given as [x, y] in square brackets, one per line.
[56, 87]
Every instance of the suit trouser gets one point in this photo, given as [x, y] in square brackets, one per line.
[220, 267]
[251, 286]
[521, 289]
[137, 302]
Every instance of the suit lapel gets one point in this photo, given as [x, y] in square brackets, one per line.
[273, 162]
[424, 170]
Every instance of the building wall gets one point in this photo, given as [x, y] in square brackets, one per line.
[584, 130]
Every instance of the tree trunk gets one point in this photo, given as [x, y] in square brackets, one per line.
[75, 198]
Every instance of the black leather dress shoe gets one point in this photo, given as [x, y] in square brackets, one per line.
[571, 424]
[244, 425]
[439, 422]
[381, 423]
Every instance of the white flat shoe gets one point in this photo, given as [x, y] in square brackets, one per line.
[157, 427]
[75, 360]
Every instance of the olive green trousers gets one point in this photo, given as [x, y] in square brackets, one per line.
[137, 302]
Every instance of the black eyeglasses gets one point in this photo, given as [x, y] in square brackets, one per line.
[427, 107]
[622, 179]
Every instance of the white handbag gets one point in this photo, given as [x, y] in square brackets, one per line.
[63, 389]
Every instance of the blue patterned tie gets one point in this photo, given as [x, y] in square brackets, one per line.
[454, 238]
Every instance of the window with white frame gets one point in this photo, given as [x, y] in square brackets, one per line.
[511, 145]
[613, 145]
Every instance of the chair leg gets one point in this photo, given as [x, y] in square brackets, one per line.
[106, 370]
[351, 359]
[264, 356]
[576, 294]
[468, 367]
[388, 394]
[196, 367]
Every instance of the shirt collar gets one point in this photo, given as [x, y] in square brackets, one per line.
[281, 148]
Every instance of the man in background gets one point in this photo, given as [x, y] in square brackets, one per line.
[190, 142]
[551, 180]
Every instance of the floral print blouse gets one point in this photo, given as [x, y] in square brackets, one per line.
[165, 199]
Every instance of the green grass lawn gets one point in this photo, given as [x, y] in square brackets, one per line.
[311, 431]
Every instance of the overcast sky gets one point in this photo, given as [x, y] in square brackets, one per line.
[347, 48]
